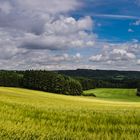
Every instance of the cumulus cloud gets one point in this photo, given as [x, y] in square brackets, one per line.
[43, 34]
[53, 59]
[138, 62]
[32, 15]
[47, 6]
[53, 6]
[63, 33]
[123, 56]
[137, 23]
[67, 25]
[40, 59]
[5, 7]
[117, 54]
[8, 44]
[44, 25]
[31, 29]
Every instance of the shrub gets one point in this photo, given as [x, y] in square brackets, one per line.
[138, 92]
[89, 94]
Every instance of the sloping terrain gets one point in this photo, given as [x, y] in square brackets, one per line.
[28, 114]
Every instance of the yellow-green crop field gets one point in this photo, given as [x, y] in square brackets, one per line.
[34, 115]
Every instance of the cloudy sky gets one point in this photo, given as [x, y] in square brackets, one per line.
[70, 34]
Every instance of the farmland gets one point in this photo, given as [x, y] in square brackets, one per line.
[114, 94]
[29, 114]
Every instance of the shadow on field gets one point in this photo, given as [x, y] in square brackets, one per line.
[90, 94]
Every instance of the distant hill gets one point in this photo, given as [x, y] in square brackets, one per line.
[102, 74]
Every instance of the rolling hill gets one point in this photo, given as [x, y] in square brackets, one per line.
[28, 114]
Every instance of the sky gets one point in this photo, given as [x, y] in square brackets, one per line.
[70, 34]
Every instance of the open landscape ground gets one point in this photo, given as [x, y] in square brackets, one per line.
[26, 114]
[114, 94]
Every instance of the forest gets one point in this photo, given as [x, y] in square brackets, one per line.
[41, 80]
[104, 78]
[69, 82]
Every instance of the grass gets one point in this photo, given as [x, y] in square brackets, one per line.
[34, 115]
[114, 94]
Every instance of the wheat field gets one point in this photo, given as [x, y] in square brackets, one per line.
[35, 115]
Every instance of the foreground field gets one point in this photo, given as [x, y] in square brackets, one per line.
[27, 114]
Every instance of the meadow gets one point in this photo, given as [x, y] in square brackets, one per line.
[114, 94]
[35, 115]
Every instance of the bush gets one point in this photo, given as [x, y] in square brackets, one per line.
[138, 92]
[89, 94]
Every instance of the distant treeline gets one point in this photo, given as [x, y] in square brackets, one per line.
[104, 78]
[110, 83]
[102, 74]
[41, 80]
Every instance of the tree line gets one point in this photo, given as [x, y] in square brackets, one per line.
[41, 80]
[109, 83]
[90, 79]
[102, 74]
[60, 83]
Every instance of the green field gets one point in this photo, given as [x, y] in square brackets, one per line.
[114, 94]
[30, 115]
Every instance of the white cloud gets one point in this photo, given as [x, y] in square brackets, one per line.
[40, 59]
[67, 25]
[5, 7]
[137, 23]
[42, 34]
[97, 58]
[37, 33]
[53, 6]
[9, 43]
[31, 15]
[63, 33]
[130, 30]
[116, 54]
[123, 56]
[138, 62]
[35, 6]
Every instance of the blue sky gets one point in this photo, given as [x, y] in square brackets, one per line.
[70, 34]
[110, 15]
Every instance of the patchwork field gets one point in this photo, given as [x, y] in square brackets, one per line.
[31, 115]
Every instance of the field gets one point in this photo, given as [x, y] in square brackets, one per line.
[114, 94]
[30, 115]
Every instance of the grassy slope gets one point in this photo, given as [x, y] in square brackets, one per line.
[27, 114]
[114, 94]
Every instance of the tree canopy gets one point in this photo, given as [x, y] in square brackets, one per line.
[41, 80]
